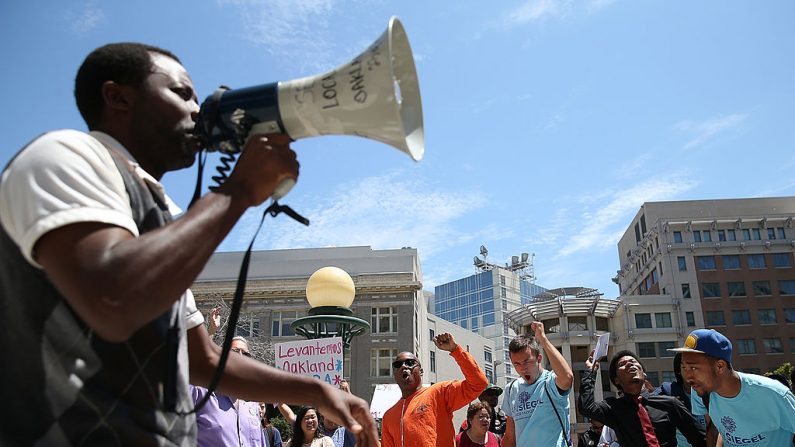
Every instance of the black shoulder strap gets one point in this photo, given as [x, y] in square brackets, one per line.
[560, 421]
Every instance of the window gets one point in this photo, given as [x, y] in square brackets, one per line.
[433, 361]
[771, 233]
[646, 350]
[735, 288]
[653, 377]
[731, 262]
[502, 280]
[578, 324]
[746, 346]
[786, 287]
[792, 344]
[696, 236]
[682, 263]
[384, 319]
[686, 291]
[746, 235]
[432, 333]
[782, 260]
[552, 326]
[381, 362]
[280, 323]
[643, 321]
[772, 345]
[762, 288]
[781, 233]
[731, 235]
[487, 355]
[710, 290]
[668, 376]
[602, 324]
[789, 315]
[705, 262]
[473, 324]
[662, 319]
[766, 316]
[707, 236]
[489, 373]
[742, 316]
[691, 319]
[721, 235]
[757, 234]
[663, 348]
[678, 237]
[715, 318]
[756, 261]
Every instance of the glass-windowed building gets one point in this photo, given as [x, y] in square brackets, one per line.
[479, 303]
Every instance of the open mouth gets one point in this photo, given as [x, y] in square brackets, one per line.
[406, 375]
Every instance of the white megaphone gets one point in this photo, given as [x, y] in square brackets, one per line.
[376, 96]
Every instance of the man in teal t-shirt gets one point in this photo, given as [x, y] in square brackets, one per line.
[530, 402]
[746, 409]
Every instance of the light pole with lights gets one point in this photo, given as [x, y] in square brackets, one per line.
[330, 292]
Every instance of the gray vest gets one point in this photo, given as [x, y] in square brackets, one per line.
[63, 385]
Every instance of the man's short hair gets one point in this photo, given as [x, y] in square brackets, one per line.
[678, 368]
[613, 370]
[239, 338]
[522, 342]
[125, 63]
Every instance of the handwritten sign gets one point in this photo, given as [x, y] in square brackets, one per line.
[384, 397]
[321, 358]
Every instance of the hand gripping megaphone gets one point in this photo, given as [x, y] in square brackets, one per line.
[376, 95]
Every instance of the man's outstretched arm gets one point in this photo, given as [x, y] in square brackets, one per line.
[462, 392]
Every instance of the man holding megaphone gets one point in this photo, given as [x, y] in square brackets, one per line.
[94, 272]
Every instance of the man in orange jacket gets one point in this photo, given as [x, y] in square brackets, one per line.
[424, 416]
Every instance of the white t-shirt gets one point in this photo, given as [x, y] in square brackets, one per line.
[45, 189]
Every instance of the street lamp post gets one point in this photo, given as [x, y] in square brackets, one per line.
[330, 292]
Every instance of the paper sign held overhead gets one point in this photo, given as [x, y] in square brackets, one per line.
[601, 347]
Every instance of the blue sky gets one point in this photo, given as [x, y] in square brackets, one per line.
[548, 123]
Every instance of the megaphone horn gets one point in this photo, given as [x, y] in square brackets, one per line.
[376, 95]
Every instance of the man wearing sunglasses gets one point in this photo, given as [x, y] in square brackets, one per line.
[424, 416]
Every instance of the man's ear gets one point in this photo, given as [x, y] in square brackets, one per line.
[117, 96]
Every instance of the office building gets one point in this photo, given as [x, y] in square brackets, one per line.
[479, 303]
[724, 264]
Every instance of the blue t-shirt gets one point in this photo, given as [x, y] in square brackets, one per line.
[532, 413]
[762, 414]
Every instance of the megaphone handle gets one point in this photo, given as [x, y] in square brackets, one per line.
[284, 187]
[275, 208]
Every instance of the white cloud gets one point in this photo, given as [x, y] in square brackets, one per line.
[535, 10]
[286, 28]
[601, 220]
[86, 19]
[702, 132]
[384, 212]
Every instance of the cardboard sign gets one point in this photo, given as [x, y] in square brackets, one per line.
[384, 397]
[320, 358]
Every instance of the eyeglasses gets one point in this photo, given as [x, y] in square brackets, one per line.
[411, 363]
[240, 351]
